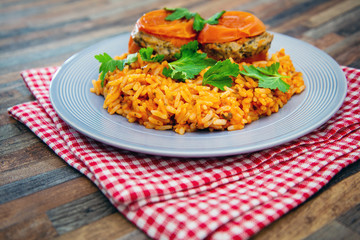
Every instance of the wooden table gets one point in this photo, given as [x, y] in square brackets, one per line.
[43, 198]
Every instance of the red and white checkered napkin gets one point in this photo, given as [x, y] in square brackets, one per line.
[214, 198]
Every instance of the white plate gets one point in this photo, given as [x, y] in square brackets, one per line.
[325, 92]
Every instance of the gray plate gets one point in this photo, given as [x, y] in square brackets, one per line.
[324, 94]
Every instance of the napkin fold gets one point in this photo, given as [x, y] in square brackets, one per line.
[208, 198]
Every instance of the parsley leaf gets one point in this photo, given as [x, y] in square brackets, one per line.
[215, 18]
[146, 55]
[219, 74]
[179, 13]
[189, 63]
[268, 77]
[108, 64]
[131, 58]
[199, 22]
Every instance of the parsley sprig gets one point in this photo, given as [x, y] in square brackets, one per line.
[219, 74]
[179, 13]
[146, 55]
[108, 64]
[269, 77]
[199, 22]
[189, 63]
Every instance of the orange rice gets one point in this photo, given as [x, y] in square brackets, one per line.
[142, 94]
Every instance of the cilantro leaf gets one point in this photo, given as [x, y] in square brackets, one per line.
[268, 77]
[189, 63]
[252, 71]
[273, 83]
[219, 74]
[103, 58]
[146, 55]
[179, 13]
[192, 46]
[108, 64]
[215, 18]
[174, 73]
[199, 22]
[131, 58]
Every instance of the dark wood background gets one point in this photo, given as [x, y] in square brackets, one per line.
[43, 198]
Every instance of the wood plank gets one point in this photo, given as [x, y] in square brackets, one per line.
[120, 9]
[333, 12]
[267, 10]
[31, 185]
[355, 64]
[56, 60]
[135, 235]
[326, 41]
[6, 119]
[351, 42]
[313, 215]
[24, 140]
[25, 155]
[207, 9]
[63, 15]
[351, 219]
[12, 96]
[8, 130]
[114, 226]
[349, 59]
[58, 47]
[18, 5]
[37, 228]
[14, 76]
[92, 19]
[32, 169]
[40, 202]
[61, 23]
[349, 28]
[80, 212]
[334, 231]
[14, 12]
[294, 12]
[298, 20]
[334, 25]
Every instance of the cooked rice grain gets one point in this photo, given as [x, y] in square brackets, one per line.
[142, 94]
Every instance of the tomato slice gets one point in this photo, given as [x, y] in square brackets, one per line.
[154, 23]
[133, 47]
[232, 26]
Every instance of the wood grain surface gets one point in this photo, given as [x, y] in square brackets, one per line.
[43, 198]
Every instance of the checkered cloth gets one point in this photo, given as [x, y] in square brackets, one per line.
[213, 198]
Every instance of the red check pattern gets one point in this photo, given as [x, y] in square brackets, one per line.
[210, 198]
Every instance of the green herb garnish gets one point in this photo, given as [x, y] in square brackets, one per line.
[189, 63]
[179, 13]
[219, 74]
[108, 64]
[146, 55]
[199, 22]
[268, 77]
